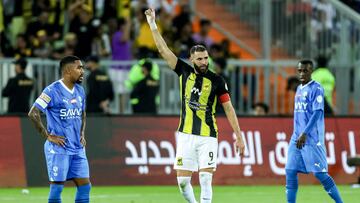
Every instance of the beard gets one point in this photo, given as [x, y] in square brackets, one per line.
[199, 70]
[79, 80]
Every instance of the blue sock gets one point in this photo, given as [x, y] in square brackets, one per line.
[55, 193]
[83, 194]
[329, 186]
[291, 185]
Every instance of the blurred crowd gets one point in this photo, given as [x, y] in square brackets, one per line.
[95, 30]
[112, 29]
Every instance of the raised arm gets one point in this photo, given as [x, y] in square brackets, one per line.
[164, 50]
[35, 116]
[232, 118]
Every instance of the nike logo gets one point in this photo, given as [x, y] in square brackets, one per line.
[211, 163]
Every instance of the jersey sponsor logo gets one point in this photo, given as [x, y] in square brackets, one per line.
[70, 113]
[196, 91]
[300, 106]
[194, 105]
[45, 97]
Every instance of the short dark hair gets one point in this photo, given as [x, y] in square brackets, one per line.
[204, 22]
[147, 65]
[307, 62]
[262, 105]
[67, 60]
[22, 62]
[197, 48]
[322, 61]
[92, 58]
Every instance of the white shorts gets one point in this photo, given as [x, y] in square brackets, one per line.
[118, 77]
[194, 152]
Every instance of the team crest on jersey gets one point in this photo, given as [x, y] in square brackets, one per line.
[179, 161]
[319, 99]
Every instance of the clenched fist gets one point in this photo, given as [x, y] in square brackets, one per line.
[150, 15]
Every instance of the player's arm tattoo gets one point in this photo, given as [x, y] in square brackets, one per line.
[83, 123]
[35, 116]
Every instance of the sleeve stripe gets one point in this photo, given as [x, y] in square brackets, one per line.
[41, 102]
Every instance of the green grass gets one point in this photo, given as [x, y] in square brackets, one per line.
[170, 194]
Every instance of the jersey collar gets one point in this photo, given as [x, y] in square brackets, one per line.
[302, 86]
[67, 89]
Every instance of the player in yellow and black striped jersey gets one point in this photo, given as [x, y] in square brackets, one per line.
[200, 89]
[199, 95]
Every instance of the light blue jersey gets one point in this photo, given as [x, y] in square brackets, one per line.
[312, 157]
[309, 98]
[63, 108]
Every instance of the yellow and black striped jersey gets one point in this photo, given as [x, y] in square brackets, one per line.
[199, 94]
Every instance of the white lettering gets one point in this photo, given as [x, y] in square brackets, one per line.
[344, 155]
[70, 113]
[330, 137]
[280, 154]
[300, 105]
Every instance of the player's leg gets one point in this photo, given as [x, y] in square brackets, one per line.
[205, 179]
[56, 189]
[57, 166]
[315, 157]
[79, 173]
[292, 185]
[185, 164]
[329, 185]
[207, 149]
[294, 164]
[185, 187]
[83, 186]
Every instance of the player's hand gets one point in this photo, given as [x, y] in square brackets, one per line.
[240, 145]
[150, 15]
[83, 141]
[59, 140]
[104, 105]
[300, 142]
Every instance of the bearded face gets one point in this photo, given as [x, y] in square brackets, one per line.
[200, 61]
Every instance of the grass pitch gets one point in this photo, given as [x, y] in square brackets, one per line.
[170, 194]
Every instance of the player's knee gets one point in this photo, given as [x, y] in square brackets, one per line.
[325, 180]
[205, 178]
[55, 193]
[183, 182]
[291, 179]
[83, 193]
[291, 173]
